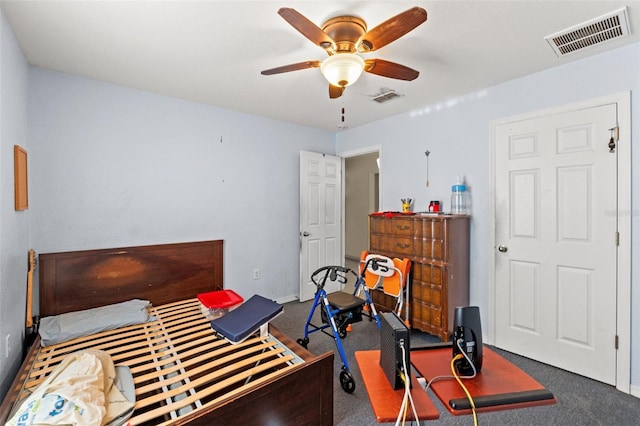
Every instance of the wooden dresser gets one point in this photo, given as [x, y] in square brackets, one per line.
[438, 246]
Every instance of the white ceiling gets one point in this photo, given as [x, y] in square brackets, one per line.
[213, 51]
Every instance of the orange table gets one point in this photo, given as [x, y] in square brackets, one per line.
[498, 380]
[384, 399]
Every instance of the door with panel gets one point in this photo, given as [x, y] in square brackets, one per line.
[320, 215]
[556, 233]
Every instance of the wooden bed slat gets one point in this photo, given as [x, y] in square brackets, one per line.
[170, 365]
[202, 339]
[208, 391]
[210, 377]
[231, 394]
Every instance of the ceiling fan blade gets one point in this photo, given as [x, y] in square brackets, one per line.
[335, 91]
[390, 69]
[392, 29]
[292, 67]
[306, 27]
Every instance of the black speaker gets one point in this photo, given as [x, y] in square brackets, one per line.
[467, 334]
[394, 335]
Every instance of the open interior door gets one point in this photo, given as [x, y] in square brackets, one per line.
[320, 216]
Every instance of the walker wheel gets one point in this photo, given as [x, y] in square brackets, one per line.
[342, 332]
[347, 382]
[303, 342]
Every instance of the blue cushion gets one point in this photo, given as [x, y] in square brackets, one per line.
[247, 318]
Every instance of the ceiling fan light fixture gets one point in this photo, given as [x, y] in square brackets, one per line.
[342, 69]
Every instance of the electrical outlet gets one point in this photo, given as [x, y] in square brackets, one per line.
[256, 274]
[7, 342]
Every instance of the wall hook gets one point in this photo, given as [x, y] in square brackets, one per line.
[427, 152]
[612, 141]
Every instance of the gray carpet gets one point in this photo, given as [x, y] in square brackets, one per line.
[581, 401]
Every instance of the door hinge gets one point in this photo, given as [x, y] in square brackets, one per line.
[617, 239]
[615, 137]
[616, 341]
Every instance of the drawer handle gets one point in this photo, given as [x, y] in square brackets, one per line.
[402, 227]
[404, 246]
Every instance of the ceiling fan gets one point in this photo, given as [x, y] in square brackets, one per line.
[343, 37]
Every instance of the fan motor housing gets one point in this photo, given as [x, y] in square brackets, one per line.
[345, 32]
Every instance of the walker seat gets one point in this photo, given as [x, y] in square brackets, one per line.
[348, 310]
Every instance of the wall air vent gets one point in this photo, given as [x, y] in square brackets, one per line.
[385, 95]
[606, 27]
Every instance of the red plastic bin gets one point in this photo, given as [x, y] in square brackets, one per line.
[217, 303]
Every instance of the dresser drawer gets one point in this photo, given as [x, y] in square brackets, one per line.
[402, 227]
[405, 246]
[396, 246]
[395, 226]
[427, 293]
[432, 249]
[383, 301]
[378, 225]
[423, 313]
[432, 228]
[434, 275]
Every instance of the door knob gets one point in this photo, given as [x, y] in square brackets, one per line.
[502, 249]
[305, 234]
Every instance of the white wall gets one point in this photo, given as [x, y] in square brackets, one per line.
[457, 134]
[115, 167]
[14, 226]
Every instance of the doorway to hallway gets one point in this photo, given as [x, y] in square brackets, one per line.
[361, 197]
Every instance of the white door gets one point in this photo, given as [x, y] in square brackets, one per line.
[320, 213]
[556, 233]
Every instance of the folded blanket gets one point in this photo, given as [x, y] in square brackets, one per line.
[60, 328]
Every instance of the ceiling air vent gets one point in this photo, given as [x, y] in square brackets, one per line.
[385, 96]
[606, 27]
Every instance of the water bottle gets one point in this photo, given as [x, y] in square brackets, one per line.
[460, 203]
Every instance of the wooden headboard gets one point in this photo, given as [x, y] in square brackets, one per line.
[73, 281]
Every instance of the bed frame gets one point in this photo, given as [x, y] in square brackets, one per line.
[286, 385]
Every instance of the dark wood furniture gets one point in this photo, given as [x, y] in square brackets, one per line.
[72, 281]
[438, 246]
[171, 276]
